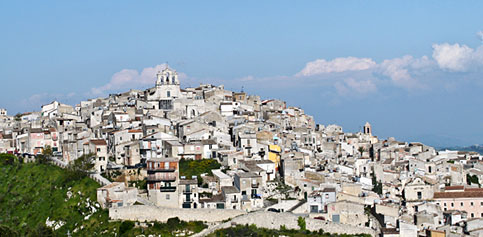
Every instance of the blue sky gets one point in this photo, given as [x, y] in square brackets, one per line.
[414, 69]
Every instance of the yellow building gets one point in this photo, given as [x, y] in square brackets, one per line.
[274, 154]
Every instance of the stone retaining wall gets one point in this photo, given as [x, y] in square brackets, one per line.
[162, 214]
[271, 220]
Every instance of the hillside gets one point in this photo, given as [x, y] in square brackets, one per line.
[45, 200]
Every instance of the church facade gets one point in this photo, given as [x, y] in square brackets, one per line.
[167, 89]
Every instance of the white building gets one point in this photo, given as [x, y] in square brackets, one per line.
[166, 90]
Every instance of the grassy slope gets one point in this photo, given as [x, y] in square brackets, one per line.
[29, 193]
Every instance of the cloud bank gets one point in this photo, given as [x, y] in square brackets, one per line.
[406, 72]
[130, 78]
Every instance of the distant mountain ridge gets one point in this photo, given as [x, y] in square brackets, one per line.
[476, 148]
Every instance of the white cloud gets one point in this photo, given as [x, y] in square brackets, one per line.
[129, 78]
[321, 66]
[453, 57]
[480, 34]
[359, 86]
[400, 70]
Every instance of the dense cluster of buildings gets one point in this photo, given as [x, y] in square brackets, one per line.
[273, 158]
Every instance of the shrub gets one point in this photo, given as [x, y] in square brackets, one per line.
[174, 223]
[125, 227]
[7, 159]
[301, 223]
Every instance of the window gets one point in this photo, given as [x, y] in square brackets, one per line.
[472, 215]
[167, 196]
[472, 204]
[168, 93]
[444, 204]
[98, 149]
[420, 195]
[452, 204]
[461, 204]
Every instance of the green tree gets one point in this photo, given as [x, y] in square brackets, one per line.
[7, 159]
[81, 166]
[47, 151]
[18, 117]
[376, 186]
[125, 227]
[361, 150]
[45, 156]
[301, 223]
[472, 179]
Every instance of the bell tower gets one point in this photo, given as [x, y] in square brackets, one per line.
[368, 128]
[167, 77]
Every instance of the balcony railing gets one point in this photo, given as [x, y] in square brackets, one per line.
[152, 171]
[159, 179]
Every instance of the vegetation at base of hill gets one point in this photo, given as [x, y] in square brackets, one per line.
[40, 199]
[34, 195]
[173, 227]
[189, 168]
[252, 230]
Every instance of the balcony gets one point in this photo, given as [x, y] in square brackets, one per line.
[161, 179]
[255, 185]
[167, 189]
[153, 171]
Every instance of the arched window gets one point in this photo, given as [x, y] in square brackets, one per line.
[167, 78]
[173, 80]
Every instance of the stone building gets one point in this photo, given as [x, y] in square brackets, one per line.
[116, 195]
[163, 179]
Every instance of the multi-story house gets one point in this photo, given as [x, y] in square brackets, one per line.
[163, 179]
[99, 149]
[188, 193]
[249, 185]
[232, 197]
[318, 200]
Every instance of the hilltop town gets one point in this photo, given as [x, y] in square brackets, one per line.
[209, 154]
